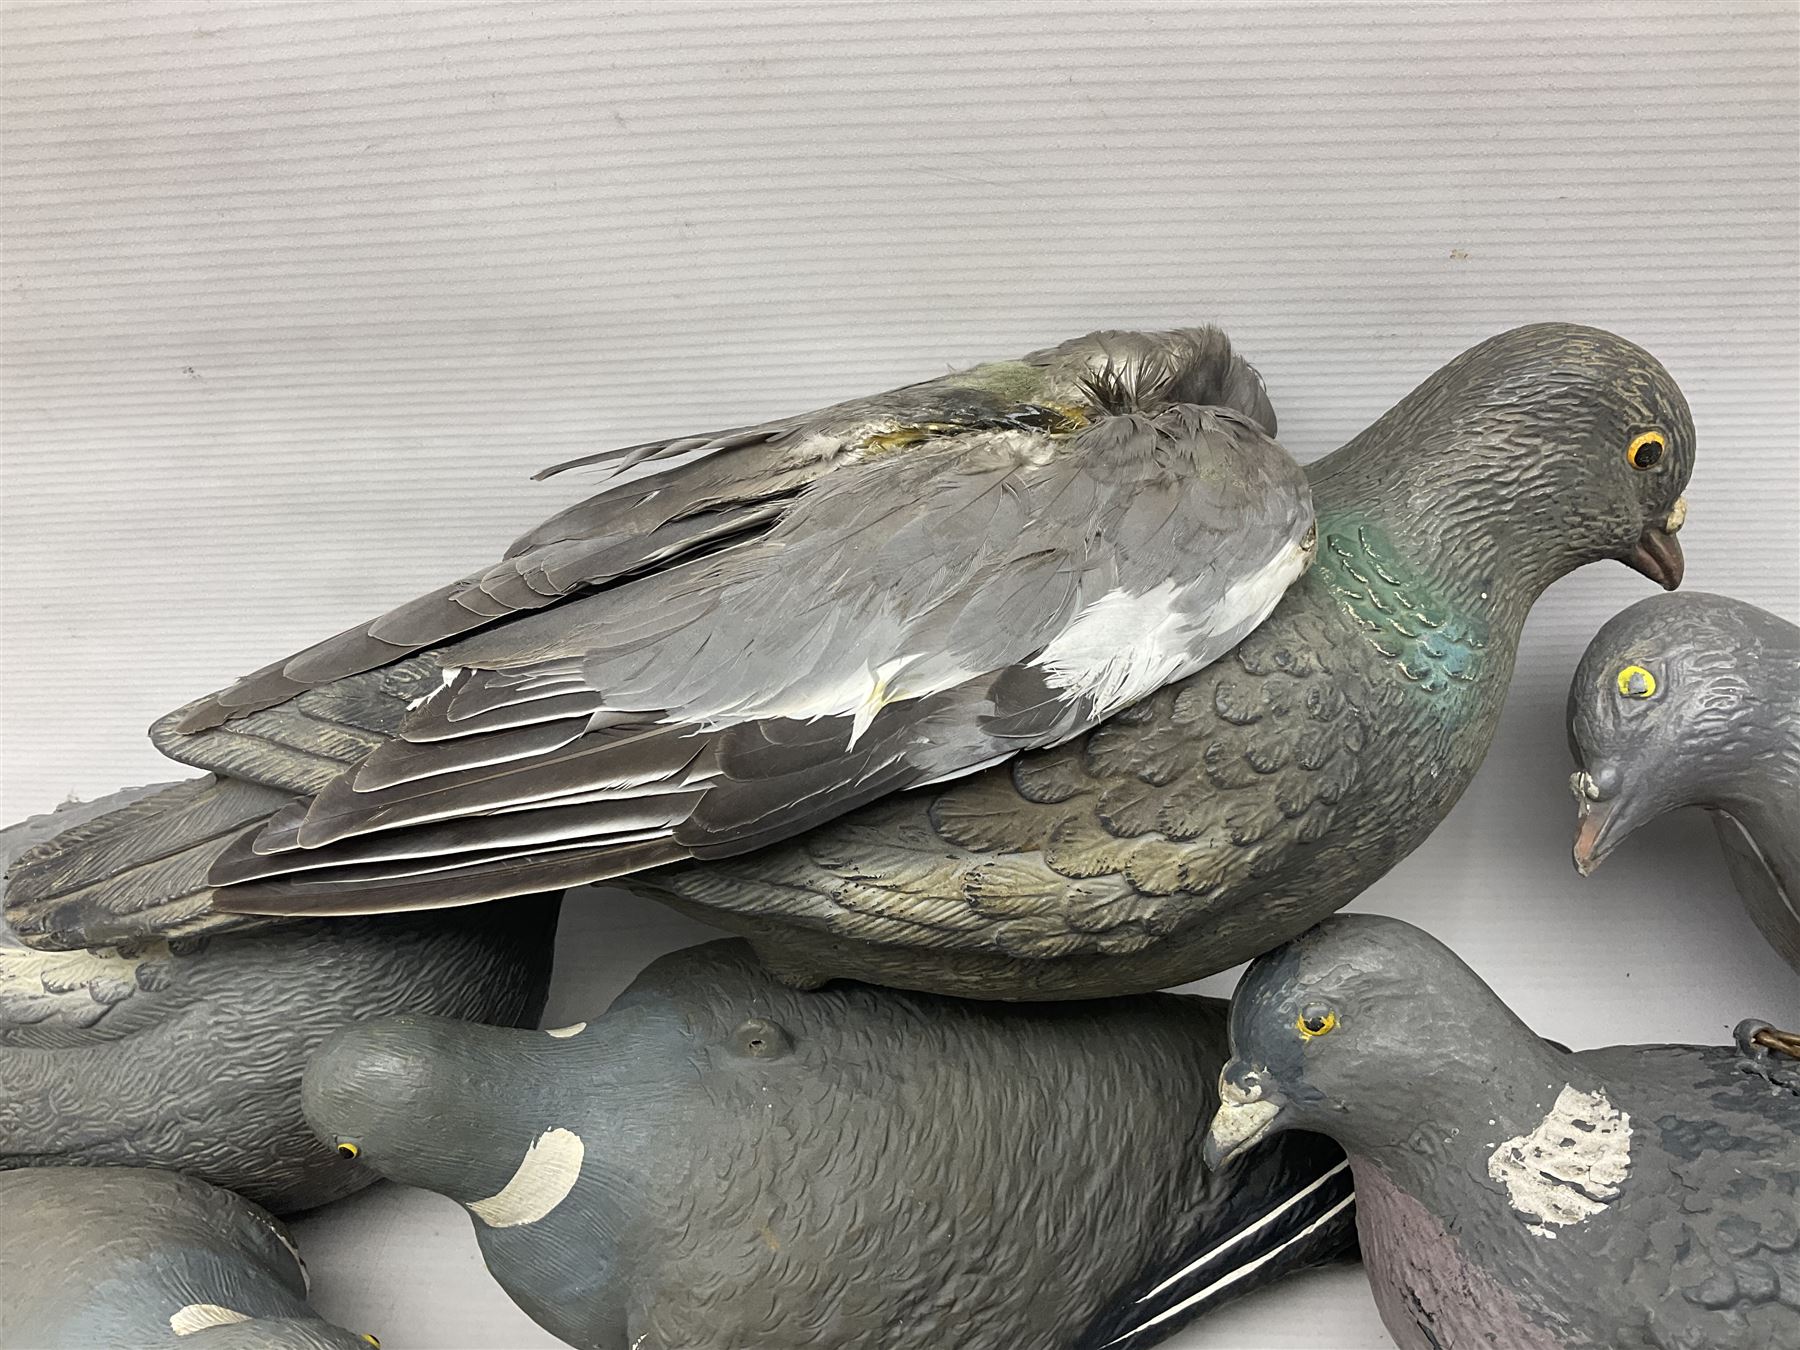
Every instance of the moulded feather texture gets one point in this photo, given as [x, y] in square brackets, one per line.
[857, 1167]
[126, 1256]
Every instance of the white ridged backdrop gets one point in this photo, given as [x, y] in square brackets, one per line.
[296, 297]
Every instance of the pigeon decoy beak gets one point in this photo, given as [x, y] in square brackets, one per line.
[1603, 822]
[1658, 554]
[1247, 1112]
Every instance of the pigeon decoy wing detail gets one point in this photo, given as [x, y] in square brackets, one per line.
[910, 619]
[665, 501]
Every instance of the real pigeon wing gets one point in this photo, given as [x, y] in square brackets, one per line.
[735, 701]
[665, 501]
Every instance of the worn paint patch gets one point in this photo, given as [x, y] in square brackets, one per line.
[200, 1316]
[550, 1169]
[69, 988]
[563, 1033]
[1571, 1166]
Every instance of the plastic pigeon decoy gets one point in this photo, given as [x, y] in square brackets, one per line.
[187, 1054]
[1196, 828]
[1231, 810]
[126, 1256]
[744, 634]
[1511, 1193]
[1694, 700]
[721, 1162]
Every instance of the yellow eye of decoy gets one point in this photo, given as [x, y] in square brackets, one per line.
[1646, 450]
[1636, 682]
[372, 1339]
[1311, 1024]
[348, 1150]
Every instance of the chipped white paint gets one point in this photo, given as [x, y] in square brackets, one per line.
[549, 1171]
[200, 1316]
[1571, 1166]
[563, 1033]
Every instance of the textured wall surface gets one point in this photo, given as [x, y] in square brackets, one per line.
[296, 298]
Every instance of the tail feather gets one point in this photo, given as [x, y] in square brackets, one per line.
[1288, 1206]
[136, 873]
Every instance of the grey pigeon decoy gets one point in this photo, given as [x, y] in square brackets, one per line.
[721, 1162]
[129, 1257]
[188, 1054]
[1694, 700]
[1233, 809]
[1229, 810]
[1512, 1195]
[750, 632]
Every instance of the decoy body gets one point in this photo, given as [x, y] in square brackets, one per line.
[752, 633]
[188, 1054]
[721, 1162]
[1694, 700]
[1511, 1194]
[126, 1256]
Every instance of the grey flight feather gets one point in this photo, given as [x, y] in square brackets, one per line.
[1694, 700]
[1511, 1193]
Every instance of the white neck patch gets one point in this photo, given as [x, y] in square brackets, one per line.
[1571, 1166]
[551, 1167]
[200, 1316]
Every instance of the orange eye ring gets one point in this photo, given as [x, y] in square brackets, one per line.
[1636, 682]
[1646, 450]
[347, 1150]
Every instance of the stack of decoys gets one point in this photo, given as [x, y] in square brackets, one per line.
[1013, 684]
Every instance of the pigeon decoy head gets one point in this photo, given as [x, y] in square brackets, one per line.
[386, 1092]
[1357, 1003]
[1669, 707]
[1588, 435]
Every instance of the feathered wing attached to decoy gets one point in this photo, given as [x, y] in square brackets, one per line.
[739, 637]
